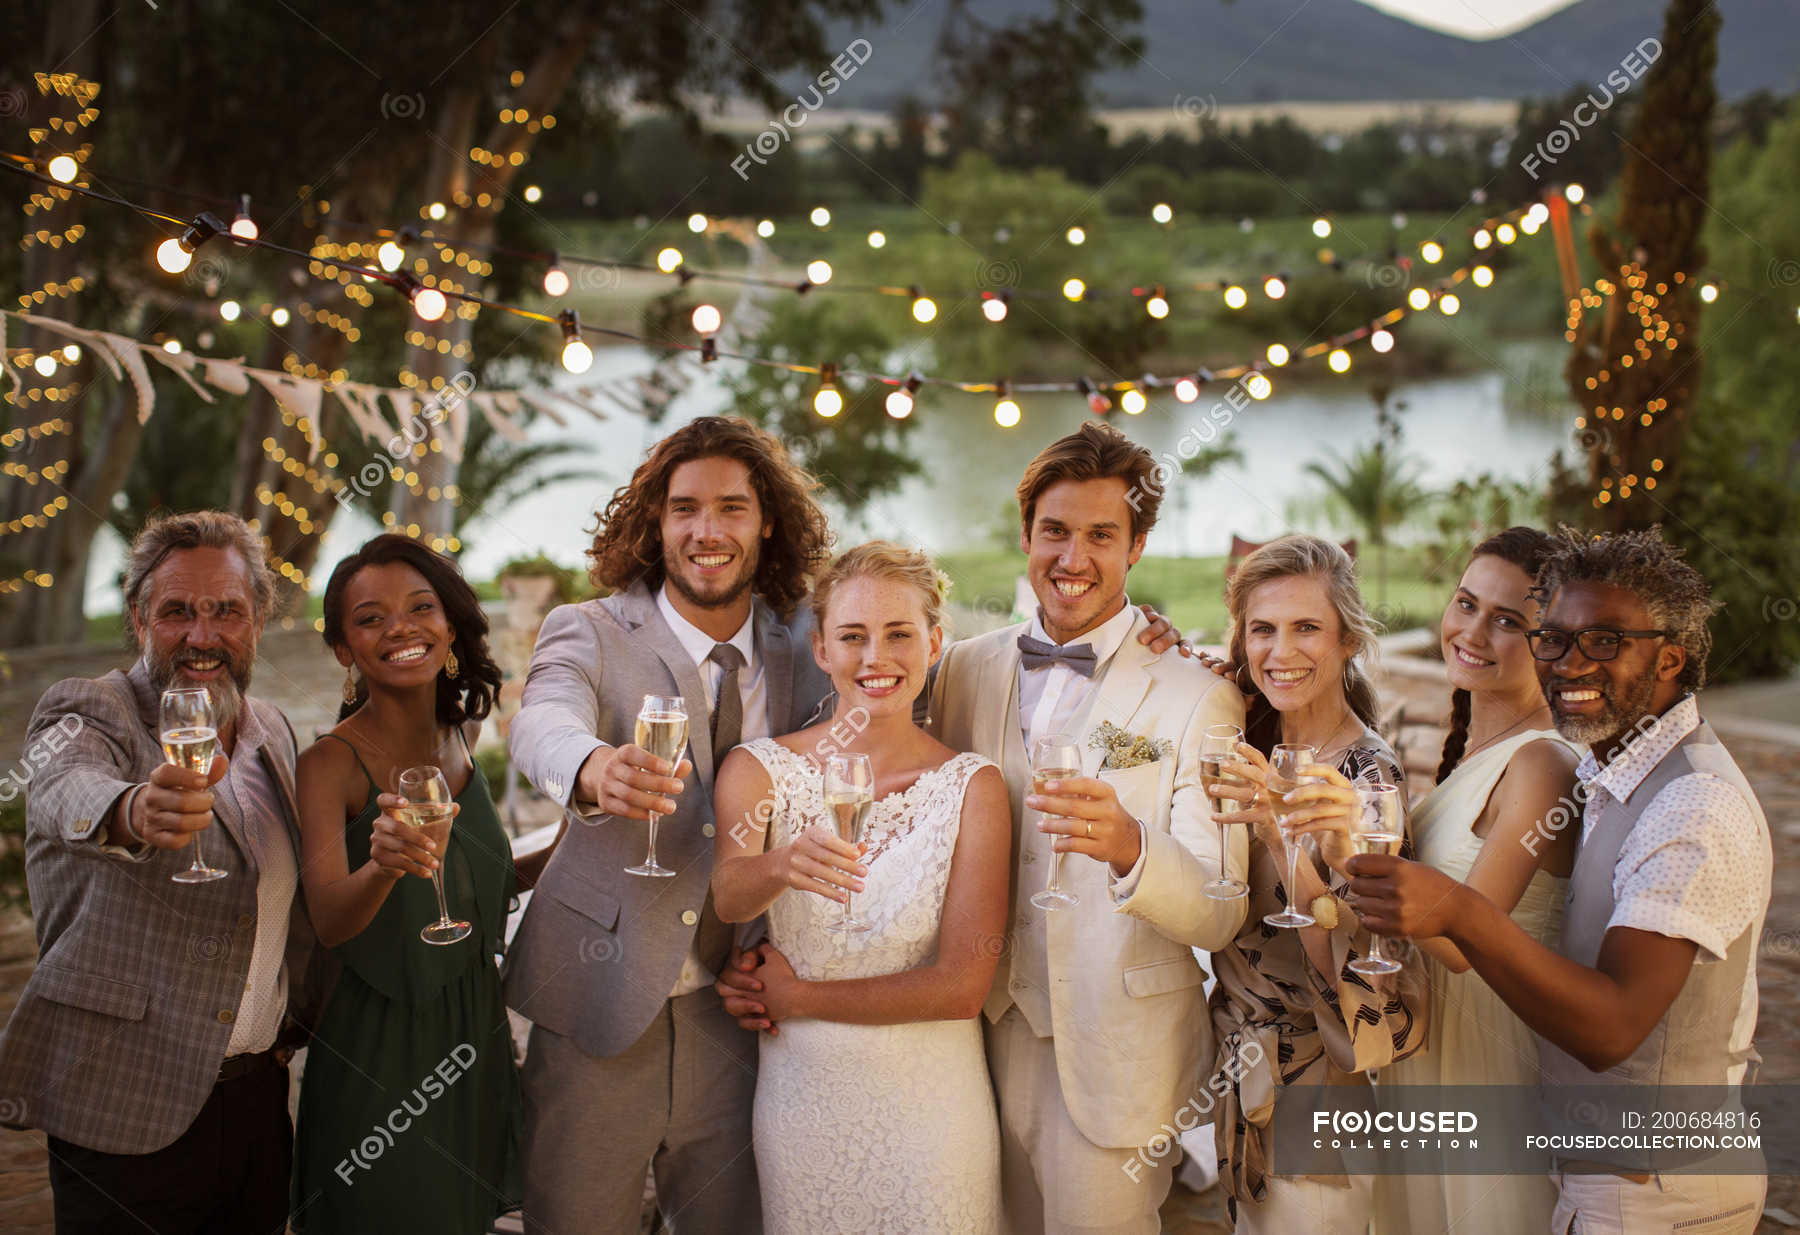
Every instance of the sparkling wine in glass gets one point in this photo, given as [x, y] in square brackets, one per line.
[662, 729]
[849, 796]
[1378, 827]
[1218, 747]
[1285, 762]
[190, 738]
[430, 808]
[1054, 757]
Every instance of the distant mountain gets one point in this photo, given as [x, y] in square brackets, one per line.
[1256, 51]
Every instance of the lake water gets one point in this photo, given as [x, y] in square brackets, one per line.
[1457, 427]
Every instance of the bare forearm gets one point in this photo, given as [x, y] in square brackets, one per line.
[930, 993]
[1577, 1008]
[744, 887]
[342, 910]
[1444, 953]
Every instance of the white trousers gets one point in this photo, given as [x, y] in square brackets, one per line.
[1685, 1204]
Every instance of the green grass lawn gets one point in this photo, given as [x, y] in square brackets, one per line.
[1191, 590]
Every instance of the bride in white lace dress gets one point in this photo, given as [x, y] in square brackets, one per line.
[874, 1111]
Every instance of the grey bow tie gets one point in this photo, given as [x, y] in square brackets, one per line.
[1036, 654]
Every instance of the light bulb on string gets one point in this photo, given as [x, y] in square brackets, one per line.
[1482, 276]
[1529, 225]
[1162, 212]
[1236, 297]
[1709, 292]
[818, 272]
[577, 356]
[45, 364]
[707, 319]
[556, 279]
[436, 212]
[63, 168]
[1133, 401]
[1278, 354]
[827, 402]
[765, 228]
[1432, 252]
[899, 403]
[669, 260]
[1339, 360]
[877, 240]
[1321, 227]
[993, 305]
[533, 193]
[71, 353]
[1382, 341]
[1505, 233]
[1076, 235]
[1539, 213]
[390, 255]
[924, 308]
[1157, 305]
[1575, 193]
[230, 309]
[172, 257]
[1419, 299]
[244, 227]
[1448, 304]
[1097, 401]
[1274, 287]
[1259, 386]
[821, 217]
[176, 255]
[428, 302]
[172, 346]
[1186, 389]
[1006, 411]
[1074, 289]
[697, 223]
[1483, 238]
[279, 316]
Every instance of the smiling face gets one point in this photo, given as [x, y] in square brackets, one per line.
[1293, 642]
[876, 644]
[712, 532]
[1599, 702]
[1483, 631]
[395, 630]
[196, 620]
[1078, 549]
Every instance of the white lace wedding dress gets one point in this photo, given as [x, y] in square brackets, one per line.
[866, 1128]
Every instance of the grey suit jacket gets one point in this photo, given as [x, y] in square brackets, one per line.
[599, 950]
[117, 1039]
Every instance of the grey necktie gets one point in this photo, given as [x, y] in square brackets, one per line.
[728, 704]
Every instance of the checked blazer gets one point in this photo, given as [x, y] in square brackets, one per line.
[118, 1036]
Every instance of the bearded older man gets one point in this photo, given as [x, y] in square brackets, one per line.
[145, 1042]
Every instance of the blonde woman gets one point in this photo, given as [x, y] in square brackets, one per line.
[873, 1110]
[1287, 1009]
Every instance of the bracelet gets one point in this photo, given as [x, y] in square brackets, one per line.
[1325, 910]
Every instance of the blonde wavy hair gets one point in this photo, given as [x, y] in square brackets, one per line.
[883, 559]
[1308, 556]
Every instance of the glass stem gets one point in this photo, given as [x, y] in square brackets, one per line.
[1293, 843]
[437, 885]
[199, 860]
[1055, 884]
[1375, 949]
[651, 860]
[846, 915]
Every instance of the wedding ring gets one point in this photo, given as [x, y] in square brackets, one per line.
[1090, 829]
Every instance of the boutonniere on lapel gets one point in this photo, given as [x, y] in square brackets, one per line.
[1125, 749]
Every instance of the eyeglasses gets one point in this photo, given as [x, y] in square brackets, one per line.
[1595, 642]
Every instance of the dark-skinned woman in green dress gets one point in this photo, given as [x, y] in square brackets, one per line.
[409, 1111]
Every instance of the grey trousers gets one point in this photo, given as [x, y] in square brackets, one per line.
[677, 1102]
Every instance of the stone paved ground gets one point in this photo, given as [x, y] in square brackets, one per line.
[296, 674]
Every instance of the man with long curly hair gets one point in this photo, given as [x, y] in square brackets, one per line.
[633, 1062]
[1654, 985]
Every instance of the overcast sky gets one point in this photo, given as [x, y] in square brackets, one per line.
[1471, 18]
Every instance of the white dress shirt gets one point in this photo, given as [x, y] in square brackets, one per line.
[752, 689]
[1696, 864]
[1055, 699]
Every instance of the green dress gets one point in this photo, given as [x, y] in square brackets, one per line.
[409, 1111]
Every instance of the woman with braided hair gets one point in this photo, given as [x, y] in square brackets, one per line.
[1504, 770]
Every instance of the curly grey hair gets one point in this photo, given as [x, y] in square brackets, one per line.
[1643, 563]
[197, 529]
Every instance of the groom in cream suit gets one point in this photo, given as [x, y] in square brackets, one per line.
[1097, 1027]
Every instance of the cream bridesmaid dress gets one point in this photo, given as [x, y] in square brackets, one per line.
[1474, 1038]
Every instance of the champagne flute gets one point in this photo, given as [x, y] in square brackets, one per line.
[1285, 762]
[849, 796]
[662, 729]
[430, 808]
[1218, 746]
[190, 737]
[1054, 757]
[1377, 827]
